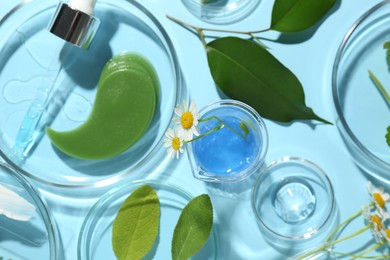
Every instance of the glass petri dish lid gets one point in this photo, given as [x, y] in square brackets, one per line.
[95, 238]
[294, 204]
[220, 11]
[35, 238]
[27, 54]
[363, 114]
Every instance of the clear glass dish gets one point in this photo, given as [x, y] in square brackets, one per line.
[96, 233]
[362, 113]
[27, 51]
[225, 155]
[36, 238]
[294, 203]
[221, 11]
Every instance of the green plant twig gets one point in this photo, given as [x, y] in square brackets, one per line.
[380, 87]
[197, 28]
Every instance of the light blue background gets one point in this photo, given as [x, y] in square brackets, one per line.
[311, 60]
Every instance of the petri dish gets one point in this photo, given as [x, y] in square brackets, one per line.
[96, 232]
[28, 53]
[221, 11]
[362, 113]
[36, 238]
[294, 204]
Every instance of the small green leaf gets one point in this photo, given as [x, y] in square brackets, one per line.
[207, 1]
[193, 228]
[298, 15]
[245, 71]
[244, 128]
[135, 228]
[388, 136]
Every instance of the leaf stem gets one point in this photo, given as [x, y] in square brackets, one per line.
[196, 28]
[380, 87]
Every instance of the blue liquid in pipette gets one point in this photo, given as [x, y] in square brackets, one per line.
[43, 108]
[224, 152]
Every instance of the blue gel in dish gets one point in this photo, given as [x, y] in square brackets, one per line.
[224, 152]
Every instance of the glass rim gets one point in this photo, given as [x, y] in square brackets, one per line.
[335, 95]
[319, 173]
[260, 157]
[229, 11]
[45, 214]
[179, 94]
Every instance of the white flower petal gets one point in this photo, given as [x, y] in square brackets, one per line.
[195, 130]
[185, 108]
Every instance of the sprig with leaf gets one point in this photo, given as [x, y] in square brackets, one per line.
[382, 88]
[244, 70]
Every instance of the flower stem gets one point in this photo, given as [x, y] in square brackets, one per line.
[205, 134]
[223, 123]
[346, 222]
[380, 87]
[367, 251]
[362, 256]
[334, 242]
[196, 28]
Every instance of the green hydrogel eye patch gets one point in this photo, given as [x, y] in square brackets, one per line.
[123, 109]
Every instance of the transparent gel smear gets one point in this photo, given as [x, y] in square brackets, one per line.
[294, 201]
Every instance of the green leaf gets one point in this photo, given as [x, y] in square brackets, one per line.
[207, 1]
[245, 71]
[298, 15]
[193, 228]
[388, 136]
[135, 227]
[244, 128]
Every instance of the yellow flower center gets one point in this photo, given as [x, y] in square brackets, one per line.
[377, 221]
[379, 200]
[187, 120]
[387, 231]
[176, 143]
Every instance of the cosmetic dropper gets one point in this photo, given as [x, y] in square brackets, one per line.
[75, 23]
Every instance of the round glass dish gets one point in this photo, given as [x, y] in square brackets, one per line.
[96, 233]
[294, 203]
[363, 114]
[36, 238]
[28, 53]
[221, 11]
[233, 152]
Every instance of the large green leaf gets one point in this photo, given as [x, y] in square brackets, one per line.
[245, 71]
[298, 15]
[193, 228]
[135, 227]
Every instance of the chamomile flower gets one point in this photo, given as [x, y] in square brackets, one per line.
[379, 197]
[386, 235]
[376, 222]
[187, 120]
[377, 228]
[173, 143]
